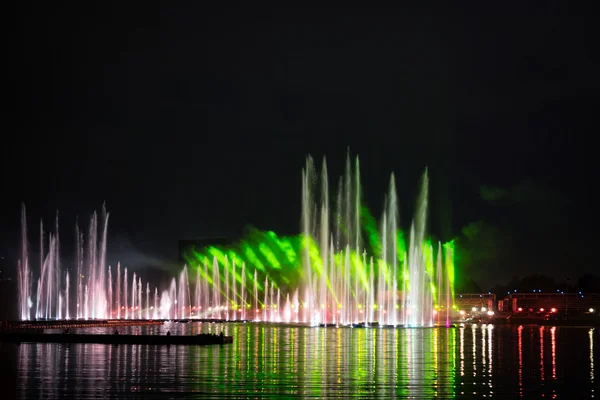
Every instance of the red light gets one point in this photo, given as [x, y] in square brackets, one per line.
[541, 309]
[553, 310]
[520, 309]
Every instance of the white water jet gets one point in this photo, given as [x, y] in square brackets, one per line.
[67, 287]
[139, 299]
[110, 294]
[125, 293]
[24, 274]
[148, 307]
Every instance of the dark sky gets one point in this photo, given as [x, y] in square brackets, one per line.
[195, 122]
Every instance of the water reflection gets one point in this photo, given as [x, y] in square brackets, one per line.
[553, 341]
[591, 336]
[542, 354]
[473, 361]
[520, 339]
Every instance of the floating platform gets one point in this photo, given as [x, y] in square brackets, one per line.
[202, 339]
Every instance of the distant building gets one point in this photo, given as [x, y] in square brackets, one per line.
[468, 301]
[570, 303]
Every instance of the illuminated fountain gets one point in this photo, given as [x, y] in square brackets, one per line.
[342, 285]
[96, 294]
[343, 269]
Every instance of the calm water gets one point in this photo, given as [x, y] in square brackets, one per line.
[280, 362]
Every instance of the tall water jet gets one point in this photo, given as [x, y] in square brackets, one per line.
[86, 302]
[103, 304]
[134, 285]
[205, 290]
[79, 268]
[419, 310]
[449, 263]
[439, 279]
[67, 287]
[324, 241]
[92, 264]
[184, 293]
[156, 310]
[42, 271]
[234, 293]
[24, 274]
[119, 290]
[173, 300]
[216, 290]
[392, 240]
[57, 274]
[307, 204]
[148, 307]
[226, 271]
[266, 300]
[244, 291]
[140, 307]
[125, 292]
[256, 310]
[110, 294]
[165, 305]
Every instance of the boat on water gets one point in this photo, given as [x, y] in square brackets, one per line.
[201, 339]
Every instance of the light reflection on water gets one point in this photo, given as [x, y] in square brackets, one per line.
[275, 361]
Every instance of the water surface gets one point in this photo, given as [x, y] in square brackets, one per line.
[279, 362]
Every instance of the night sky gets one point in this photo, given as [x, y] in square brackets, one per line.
[194, 122]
